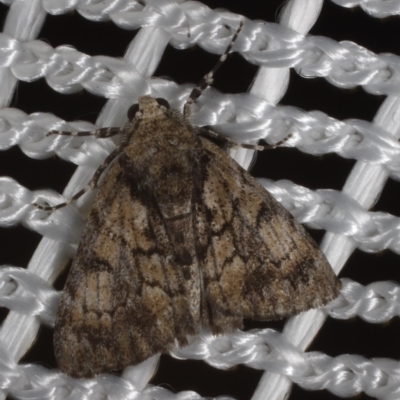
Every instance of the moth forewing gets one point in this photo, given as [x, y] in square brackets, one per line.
[180, 238]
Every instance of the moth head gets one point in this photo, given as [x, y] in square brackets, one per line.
[147, 108]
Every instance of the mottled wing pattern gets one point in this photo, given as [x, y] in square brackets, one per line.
[124, 299]
[257, 261]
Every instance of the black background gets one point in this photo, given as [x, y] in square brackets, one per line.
[17, 244]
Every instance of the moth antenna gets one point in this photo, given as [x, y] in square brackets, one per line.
[98, 133]
[277, 144]
[210, 133]
[207, 79]
[91, 185]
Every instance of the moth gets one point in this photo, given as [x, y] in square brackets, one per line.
[180, 238]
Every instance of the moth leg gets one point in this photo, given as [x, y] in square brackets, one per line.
[207, 79]
[91, 185]
[98, 133]
[206, 131]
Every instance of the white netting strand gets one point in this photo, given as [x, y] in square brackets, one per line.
[110, 9]
[345, 375]
[242, 117]
[375, 8]
[378, 302]
[371, 231]
[343, 64]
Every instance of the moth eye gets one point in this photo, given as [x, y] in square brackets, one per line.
[132, 111]
[163, 102]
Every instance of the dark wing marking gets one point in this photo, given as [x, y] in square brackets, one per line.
[123, 276]
[257, 261]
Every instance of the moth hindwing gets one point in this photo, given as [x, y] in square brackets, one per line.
[180, 238]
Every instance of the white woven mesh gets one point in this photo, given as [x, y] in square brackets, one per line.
[27, 292]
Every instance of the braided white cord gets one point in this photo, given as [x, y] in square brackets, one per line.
[297, 50]
[239, 116]
[375, 8]
[343, 64]
[376, 303]
[111, 9]
[345, 375]
[370, 231]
